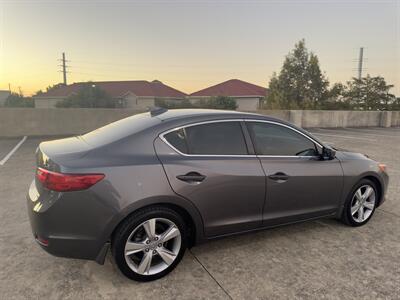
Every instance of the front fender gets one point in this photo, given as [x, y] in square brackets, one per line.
[357, 169]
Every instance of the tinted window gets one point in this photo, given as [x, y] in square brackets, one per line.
[120, 129]
[177, 139]
[271, 139]
[225, 138]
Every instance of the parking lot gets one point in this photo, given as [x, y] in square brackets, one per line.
[318, 259]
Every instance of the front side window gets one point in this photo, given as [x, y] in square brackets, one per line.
[223, 138]
[272, 139]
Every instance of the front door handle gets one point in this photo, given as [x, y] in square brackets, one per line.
[192, 177]
[279, 176]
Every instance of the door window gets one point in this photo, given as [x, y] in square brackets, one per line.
[273, 139]
[220, 138]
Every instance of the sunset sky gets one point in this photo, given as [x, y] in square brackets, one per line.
[192, 44]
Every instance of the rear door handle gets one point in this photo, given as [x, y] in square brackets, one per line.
[279, 176]
[192, 177]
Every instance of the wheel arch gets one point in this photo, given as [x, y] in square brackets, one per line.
[378, 184]
[189, 213]
[351, 181]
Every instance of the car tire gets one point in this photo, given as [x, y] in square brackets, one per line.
[150, 243]
[359, 208]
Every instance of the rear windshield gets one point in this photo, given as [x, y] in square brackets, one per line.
[120, 129]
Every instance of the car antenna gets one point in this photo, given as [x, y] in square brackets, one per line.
[155, 111]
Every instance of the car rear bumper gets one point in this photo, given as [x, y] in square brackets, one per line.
[54, 225]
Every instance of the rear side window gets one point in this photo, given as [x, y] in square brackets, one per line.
[224, 138]
[178, 140]
[272, 139]
[120, 129]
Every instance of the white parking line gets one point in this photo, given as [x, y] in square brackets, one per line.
[7, 157]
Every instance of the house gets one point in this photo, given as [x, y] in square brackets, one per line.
[247, 95]
[137, 94]
[3, 96]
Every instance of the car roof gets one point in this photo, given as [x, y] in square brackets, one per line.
[182, 114]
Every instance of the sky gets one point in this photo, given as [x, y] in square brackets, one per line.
[191, 45]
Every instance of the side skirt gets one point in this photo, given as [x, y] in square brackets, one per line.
[269, 227]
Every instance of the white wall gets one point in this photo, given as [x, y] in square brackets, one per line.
[130, 101]
[195, 100]
[46, 102]
[68, 121]
[135, 102]
[247, 103]
[3, 96]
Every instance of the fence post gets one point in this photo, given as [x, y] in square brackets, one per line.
[386, 119]
[296, 117]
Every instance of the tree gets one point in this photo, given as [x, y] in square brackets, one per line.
[174, 104]
[17, 100]
[300, 84]
[275, 96]
[317, 85]
[49, 88]
[336, 99]
[221, 102]
[396, 104]
[89, 96]
[370, 93]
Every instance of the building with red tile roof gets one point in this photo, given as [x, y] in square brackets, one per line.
[247, 95]
[138, 94]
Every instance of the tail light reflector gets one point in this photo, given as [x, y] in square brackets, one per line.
[42, 241]
[61, 182]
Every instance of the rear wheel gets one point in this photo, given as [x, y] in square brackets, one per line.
[150, 243]
[361, 203]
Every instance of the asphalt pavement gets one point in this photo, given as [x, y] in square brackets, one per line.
[320, 259]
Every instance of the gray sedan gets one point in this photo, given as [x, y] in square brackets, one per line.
[149, 186]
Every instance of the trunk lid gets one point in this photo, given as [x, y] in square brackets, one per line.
[54, 155]
[51, 155]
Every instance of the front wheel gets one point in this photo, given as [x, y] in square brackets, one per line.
[361, 203]
[150, 243]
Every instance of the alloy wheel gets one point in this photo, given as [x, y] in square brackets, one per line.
[152, 246]
[363, 203]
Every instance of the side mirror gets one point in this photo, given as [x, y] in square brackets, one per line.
[328, 153]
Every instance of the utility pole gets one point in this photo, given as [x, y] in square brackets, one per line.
[64, 68]
[360, 63]
[9, 87]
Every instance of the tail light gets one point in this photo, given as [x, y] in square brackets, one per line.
[66, 182]
[42, 241]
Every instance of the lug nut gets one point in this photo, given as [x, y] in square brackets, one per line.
[156, 238]
[159, 245]
[154, 251]
[147, 249]
[147, 242]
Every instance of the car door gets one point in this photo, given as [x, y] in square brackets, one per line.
[209, 164]
[299, 184]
